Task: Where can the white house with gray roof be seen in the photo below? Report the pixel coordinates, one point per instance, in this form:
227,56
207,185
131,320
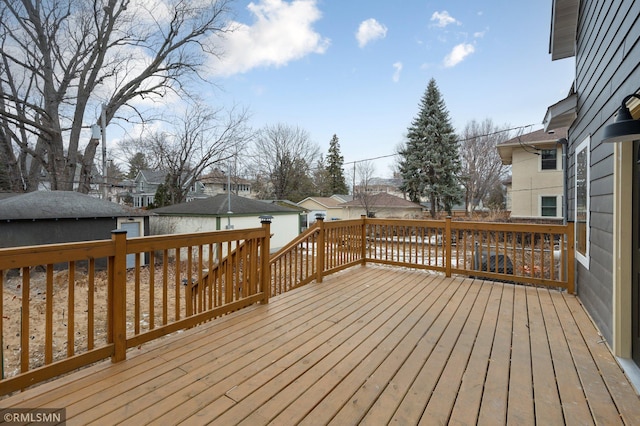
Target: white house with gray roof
217,214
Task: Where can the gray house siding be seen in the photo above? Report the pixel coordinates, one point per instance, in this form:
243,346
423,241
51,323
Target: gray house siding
53,231
606,71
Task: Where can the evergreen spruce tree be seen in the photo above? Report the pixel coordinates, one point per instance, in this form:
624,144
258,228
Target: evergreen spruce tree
335,163
429,162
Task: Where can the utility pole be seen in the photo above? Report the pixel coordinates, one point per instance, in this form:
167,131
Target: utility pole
103,128
229,212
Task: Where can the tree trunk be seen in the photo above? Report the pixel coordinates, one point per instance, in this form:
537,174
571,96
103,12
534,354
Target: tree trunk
434,201
84,185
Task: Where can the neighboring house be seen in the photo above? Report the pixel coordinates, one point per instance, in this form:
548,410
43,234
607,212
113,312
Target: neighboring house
214,214
145,186
376,185
381,205
603,178
302,212
217,182
536,190
49,217
343,198
329,207
147,182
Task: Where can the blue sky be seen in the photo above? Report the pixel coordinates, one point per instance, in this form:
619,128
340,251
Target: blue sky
358,68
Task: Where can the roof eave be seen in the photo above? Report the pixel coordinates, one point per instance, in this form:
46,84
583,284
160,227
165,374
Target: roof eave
562,113
564,27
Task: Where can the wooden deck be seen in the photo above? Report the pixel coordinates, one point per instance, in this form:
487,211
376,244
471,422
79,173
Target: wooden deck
369,345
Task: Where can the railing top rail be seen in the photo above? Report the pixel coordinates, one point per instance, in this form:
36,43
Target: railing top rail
509,226
27,256
429,223
168,241
341,223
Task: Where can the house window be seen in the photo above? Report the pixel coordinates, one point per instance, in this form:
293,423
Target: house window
549,159
582,185
549,206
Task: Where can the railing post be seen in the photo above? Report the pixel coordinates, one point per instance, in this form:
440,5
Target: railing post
118,285
363,249
321,249
265,255
447,247
571,258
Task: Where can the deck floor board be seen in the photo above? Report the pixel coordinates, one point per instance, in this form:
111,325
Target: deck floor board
368,345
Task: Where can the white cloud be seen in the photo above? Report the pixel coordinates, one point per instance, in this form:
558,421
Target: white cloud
458,54
282,32
398,69
370,30
442,19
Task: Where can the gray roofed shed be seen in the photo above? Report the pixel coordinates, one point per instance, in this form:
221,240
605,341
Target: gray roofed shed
51,217
60,205
212,214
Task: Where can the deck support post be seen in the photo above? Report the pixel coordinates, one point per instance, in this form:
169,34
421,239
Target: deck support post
363,239
321,249
265,255
447,247
118,298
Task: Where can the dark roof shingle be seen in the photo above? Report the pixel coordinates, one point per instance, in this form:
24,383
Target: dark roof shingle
60,205
218,206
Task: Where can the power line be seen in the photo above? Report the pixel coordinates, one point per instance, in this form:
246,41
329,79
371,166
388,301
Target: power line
459,140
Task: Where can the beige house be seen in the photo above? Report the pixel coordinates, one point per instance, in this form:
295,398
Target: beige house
329,207
536,190
382,205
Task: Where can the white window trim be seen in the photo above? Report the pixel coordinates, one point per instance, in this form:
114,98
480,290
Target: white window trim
583,259
558,198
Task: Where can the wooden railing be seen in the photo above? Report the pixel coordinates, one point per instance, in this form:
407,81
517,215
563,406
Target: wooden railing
519,253
65,306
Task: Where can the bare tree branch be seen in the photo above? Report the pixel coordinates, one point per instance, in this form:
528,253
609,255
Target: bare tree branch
482,168
62,59
282,156
199,139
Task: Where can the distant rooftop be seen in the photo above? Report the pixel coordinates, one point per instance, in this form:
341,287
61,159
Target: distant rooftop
218,206
60,205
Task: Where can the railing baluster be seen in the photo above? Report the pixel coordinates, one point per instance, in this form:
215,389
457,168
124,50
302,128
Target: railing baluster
136,292
200,291
71,308
177,272
152,288
24,324
48,334
91,270
165,287
188,288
